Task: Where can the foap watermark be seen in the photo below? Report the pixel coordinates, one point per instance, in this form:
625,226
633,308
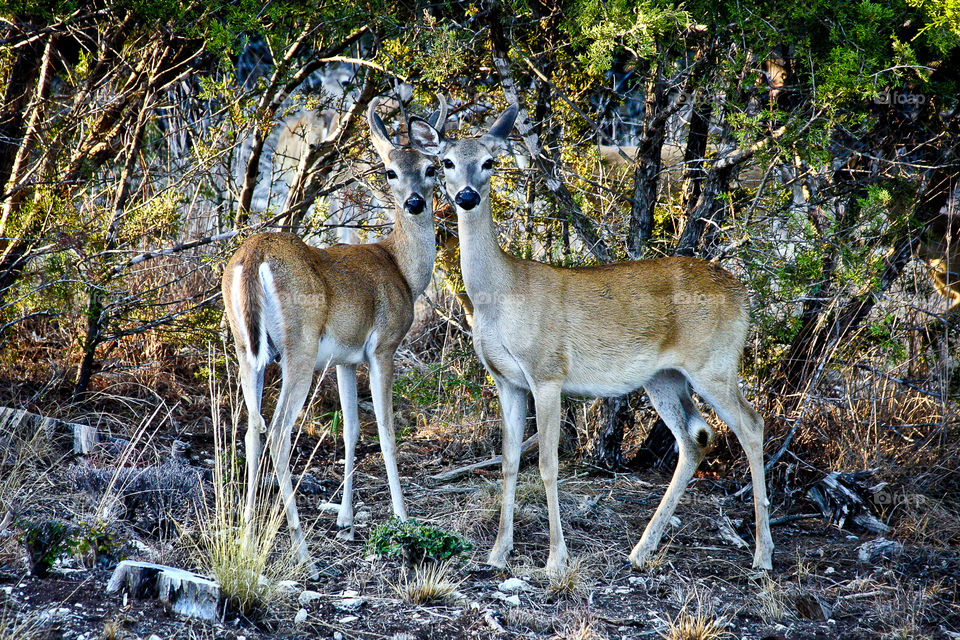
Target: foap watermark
899,97
701,98
702,299
896,498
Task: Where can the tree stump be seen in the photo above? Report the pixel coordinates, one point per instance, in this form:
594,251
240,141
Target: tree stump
847,498
84,437
184,592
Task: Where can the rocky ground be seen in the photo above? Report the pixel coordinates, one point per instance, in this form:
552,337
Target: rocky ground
826,583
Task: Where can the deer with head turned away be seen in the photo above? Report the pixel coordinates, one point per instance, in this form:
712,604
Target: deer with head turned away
343,305
669,325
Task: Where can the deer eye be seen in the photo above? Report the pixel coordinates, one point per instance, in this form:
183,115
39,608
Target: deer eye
447,164
430,172
487,164
391,174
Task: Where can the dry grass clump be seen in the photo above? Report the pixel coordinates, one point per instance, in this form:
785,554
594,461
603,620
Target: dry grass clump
529,620
15,626
431,583
904,614
926,521
25,450
582,629
696,620
568,582
771,600
237,553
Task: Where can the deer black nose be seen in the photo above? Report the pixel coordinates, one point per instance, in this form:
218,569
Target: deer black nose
467,199
415,204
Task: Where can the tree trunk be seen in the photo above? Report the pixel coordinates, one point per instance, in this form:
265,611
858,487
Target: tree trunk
15,149
694,158
709,206
646,177
658,450
607,450
22,75
95,304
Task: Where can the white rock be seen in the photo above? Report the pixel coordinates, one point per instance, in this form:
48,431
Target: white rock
874,550
329,507
513,585
828,571
337,635
289,587
363,516
306,597
350,593
348,619
301,617
154,636
348,604
675,522
513,601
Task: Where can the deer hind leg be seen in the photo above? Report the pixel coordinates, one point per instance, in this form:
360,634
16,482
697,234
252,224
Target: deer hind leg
513,401
347,386
670,395
297,376
381,386
547,400
725,397
251,384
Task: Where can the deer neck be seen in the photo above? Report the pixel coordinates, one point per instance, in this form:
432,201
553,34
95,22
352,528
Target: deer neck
485,266
414,249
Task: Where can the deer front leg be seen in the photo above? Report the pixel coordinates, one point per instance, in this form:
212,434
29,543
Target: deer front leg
513,401
547,399
381,387
347,386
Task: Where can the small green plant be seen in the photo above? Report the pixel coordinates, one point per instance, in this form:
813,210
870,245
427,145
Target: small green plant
46,542
414,541
99,544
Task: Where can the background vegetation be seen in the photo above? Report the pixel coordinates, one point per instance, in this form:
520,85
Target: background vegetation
808,146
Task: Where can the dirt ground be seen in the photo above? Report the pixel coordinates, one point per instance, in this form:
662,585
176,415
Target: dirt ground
825,584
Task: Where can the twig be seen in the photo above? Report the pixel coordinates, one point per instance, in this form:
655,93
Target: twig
791,518
528,445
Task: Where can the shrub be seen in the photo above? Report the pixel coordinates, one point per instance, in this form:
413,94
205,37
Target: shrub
414,541
46,541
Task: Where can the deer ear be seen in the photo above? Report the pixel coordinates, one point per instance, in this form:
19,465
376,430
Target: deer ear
496,137
426,138
378,132
439,117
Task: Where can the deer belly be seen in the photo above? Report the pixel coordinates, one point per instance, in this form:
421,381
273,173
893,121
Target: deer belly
331,352
609,376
